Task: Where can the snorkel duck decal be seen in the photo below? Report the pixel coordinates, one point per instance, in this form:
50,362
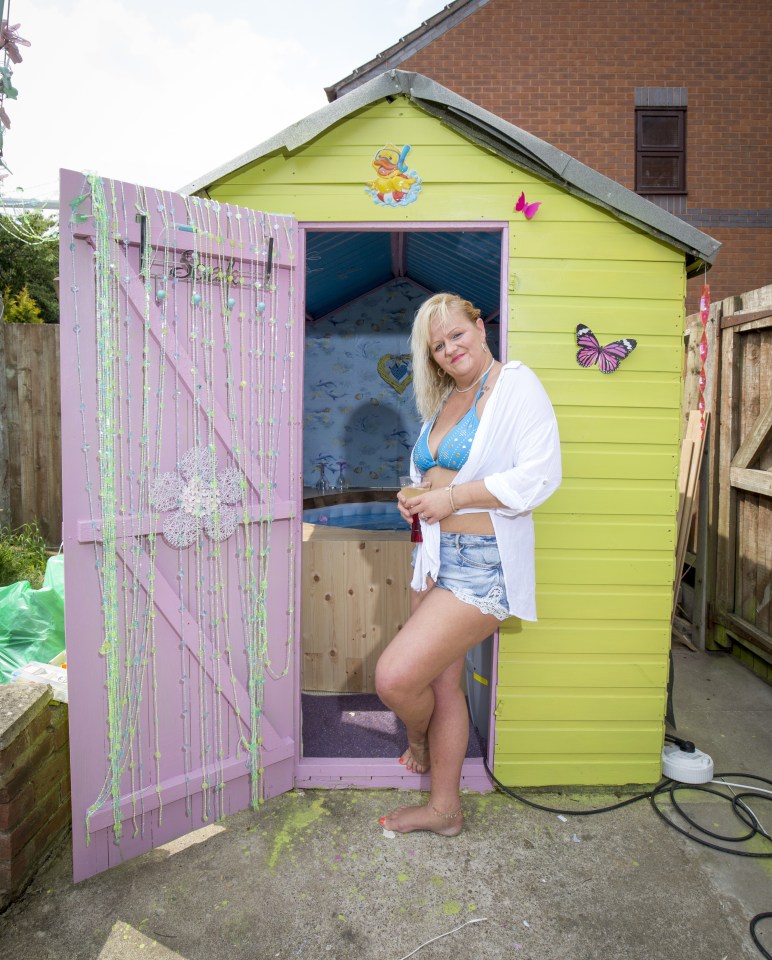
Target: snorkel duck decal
394,185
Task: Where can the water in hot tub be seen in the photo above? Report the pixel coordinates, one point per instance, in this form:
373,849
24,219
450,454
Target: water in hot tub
358,516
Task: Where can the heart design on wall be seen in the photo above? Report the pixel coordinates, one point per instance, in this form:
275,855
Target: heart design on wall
396,370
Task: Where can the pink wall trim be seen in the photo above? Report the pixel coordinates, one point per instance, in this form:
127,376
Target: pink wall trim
298,405
339,772
504,354
362,226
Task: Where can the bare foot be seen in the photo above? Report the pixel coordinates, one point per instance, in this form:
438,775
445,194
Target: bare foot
408,819
416,757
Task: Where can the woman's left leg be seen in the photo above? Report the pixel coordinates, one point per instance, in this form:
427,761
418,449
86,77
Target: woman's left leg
418,676
448,736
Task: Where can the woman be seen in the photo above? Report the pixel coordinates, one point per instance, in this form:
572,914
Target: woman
490,448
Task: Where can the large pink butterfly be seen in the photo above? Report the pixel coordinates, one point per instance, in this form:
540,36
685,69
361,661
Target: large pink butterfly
609,357
529,209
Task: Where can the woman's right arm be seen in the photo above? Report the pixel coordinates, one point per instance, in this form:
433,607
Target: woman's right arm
533,430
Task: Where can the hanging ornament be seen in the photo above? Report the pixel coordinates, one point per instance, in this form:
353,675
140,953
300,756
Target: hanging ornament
7,89
704,313
200,503
10,41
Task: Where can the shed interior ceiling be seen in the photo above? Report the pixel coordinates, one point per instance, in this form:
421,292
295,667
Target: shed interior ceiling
342,265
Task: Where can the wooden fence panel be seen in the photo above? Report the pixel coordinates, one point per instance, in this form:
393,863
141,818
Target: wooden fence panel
729,598
752,573
744,583
32,421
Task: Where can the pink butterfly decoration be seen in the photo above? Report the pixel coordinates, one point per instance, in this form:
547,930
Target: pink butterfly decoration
529,209
609,357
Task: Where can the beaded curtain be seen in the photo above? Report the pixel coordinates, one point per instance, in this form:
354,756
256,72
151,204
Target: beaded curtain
185,396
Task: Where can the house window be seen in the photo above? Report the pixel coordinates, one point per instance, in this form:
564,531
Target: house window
660,140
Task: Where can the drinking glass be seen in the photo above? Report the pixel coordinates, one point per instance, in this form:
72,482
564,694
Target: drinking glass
322,484
414,488
342,483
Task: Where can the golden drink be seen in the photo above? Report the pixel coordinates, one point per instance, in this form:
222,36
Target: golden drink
408,492
408,487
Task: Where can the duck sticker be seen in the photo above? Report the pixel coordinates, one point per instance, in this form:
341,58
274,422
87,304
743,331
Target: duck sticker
394,185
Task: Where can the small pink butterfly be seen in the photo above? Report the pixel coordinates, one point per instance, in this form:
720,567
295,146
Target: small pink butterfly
609,357
529,209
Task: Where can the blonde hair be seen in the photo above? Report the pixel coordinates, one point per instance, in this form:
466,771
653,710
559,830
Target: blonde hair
430,383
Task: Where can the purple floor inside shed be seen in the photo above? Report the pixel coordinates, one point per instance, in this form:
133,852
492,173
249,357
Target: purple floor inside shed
357,725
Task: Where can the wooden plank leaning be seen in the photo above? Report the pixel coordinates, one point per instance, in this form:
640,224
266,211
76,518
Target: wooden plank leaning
692,447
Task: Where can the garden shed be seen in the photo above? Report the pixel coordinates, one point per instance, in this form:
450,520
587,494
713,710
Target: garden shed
402,187
395,191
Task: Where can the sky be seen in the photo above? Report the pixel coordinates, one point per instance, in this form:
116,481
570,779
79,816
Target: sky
159,92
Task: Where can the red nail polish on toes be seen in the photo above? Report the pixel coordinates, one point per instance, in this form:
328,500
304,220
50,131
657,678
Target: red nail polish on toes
382,820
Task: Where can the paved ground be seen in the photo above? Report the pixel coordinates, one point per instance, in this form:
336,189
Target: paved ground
312,876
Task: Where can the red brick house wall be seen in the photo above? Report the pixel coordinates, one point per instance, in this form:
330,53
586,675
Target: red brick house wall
566,71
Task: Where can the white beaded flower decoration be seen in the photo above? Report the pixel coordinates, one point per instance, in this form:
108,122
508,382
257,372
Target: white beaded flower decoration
200,499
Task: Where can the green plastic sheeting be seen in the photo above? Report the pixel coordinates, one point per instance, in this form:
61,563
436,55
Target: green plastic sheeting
54,575
32,621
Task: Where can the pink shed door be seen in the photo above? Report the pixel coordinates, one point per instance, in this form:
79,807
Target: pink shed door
180,407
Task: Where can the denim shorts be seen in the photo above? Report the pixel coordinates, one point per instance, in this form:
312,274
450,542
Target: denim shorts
470,567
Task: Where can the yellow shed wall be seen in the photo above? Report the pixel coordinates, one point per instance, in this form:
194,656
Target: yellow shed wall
581,694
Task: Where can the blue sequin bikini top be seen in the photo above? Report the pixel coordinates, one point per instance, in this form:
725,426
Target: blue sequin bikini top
453,451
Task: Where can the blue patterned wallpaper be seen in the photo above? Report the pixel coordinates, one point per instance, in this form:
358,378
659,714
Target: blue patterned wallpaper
359,405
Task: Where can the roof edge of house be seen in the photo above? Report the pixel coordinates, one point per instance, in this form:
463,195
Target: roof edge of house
390,58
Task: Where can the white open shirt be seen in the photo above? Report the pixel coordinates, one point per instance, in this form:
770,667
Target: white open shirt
516,453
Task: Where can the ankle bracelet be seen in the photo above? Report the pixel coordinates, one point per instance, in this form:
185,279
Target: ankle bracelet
445,816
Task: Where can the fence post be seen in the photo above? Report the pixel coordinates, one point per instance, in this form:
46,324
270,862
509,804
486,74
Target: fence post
5,497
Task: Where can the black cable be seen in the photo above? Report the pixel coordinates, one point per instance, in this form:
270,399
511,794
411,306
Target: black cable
741,810
569,813
671,787
760,916
686,745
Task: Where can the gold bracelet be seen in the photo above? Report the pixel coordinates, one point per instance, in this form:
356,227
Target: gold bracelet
450,491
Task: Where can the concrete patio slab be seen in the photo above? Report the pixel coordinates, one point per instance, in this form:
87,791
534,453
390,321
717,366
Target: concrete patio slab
312,874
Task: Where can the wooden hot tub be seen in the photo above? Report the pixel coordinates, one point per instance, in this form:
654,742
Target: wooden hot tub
355,586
